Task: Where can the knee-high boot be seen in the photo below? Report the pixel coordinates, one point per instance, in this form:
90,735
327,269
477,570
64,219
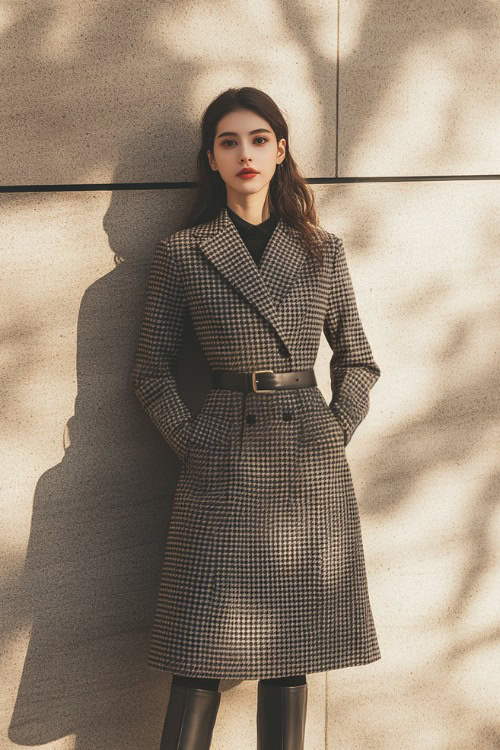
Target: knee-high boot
281,717
190,718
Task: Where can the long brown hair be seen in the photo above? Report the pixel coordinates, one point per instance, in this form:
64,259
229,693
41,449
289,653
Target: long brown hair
290,197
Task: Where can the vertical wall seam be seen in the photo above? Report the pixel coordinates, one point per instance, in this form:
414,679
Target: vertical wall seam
326,710
337,88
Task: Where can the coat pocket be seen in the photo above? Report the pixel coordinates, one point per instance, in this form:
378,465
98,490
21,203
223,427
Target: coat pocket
208,429
206,473
320,426
206,461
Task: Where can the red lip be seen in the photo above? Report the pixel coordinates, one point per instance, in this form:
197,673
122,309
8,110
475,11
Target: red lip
246,171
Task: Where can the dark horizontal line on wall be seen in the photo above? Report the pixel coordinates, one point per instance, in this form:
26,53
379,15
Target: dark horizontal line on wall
190,185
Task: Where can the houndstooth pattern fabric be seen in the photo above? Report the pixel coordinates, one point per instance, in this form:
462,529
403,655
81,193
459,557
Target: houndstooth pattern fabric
264,573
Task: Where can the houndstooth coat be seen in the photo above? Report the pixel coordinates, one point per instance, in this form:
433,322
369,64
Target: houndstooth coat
264,573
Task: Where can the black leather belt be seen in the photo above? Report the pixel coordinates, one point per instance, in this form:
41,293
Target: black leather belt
262,381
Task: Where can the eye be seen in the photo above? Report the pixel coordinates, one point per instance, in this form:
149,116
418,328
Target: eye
230,140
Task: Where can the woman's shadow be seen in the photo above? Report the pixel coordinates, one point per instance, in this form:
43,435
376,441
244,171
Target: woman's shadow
100,517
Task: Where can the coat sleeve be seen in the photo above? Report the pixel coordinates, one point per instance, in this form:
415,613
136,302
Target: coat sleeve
158,347
353,371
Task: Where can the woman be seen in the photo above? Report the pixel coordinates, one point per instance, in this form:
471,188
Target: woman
264,574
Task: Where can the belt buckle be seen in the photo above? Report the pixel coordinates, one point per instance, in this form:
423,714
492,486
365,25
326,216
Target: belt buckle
261,390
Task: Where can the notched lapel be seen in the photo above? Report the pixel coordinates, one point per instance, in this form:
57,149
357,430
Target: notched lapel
264,286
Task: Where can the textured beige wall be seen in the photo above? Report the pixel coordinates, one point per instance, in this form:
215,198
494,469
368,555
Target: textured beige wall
107,92
103,91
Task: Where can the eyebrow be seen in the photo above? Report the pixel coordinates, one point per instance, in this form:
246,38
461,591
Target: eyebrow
250,132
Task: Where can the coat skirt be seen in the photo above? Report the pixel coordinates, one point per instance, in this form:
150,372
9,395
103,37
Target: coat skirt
263,572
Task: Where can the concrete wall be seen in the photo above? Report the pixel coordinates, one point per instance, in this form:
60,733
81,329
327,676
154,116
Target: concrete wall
112,92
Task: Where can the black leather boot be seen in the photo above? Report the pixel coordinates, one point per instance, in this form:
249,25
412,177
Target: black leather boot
281,717
190,718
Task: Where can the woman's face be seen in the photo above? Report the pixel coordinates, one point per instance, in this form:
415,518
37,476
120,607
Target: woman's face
236,146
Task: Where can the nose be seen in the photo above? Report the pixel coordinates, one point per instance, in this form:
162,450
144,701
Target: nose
245,158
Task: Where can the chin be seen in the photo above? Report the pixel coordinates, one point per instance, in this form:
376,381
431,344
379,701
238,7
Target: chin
249,186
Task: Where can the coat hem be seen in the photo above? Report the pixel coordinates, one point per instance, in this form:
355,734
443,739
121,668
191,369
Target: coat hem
238,675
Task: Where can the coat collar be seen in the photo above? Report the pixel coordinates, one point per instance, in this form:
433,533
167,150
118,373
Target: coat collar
264,286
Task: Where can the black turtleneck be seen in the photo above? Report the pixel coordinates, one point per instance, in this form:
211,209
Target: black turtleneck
255,236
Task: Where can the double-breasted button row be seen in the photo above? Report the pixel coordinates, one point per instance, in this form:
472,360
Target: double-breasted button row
251,418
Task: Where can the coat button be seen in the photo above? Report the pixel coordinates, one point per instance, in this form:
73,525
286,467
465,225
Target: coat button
287,416
250,418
